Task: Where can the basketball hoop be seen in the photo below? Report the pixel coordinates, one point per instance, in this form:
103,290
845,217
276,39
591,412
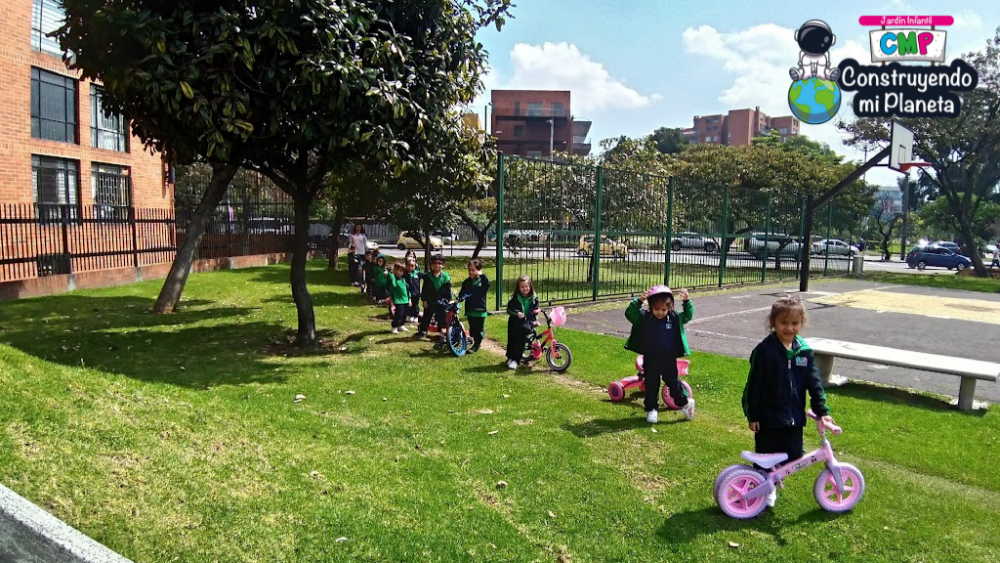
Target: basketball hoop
905,168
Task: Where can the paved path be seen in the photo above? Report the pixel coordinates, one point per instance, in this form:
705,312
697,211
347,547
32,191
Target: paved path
936,321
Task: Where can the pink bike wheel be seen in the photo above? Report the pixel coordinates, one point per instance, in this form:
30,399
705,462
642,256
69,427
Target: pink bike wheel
669,401
722,477
833,500
736,484
616,391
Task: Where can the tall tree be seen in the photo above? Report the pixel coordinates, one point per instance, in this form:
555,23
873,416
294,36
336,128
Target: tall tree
669,140
964,153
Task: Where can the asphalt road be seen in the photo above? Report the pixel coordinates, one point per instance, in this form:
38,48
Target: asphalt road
902,317
736,260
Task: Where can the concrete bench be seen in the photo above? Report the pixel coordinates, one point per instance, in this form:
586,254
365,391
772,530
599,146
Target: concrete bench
969,370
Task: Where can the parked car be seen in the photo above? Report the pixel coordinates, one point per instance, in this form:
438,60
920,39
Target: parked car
789,246
445,235
269,225
694,240
834,246
952,246
518,237
609,247
407,240
921,257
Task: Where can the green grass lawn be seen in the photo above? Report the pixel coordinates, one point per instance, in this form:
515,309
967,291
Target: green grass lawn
968,283
178,438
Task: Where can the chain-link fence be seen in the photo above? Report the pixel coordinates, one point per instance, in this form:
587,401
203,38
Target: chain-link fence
585,233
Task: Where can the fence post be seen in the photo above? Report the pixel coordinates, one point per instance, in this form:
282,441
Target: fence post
799,257
595,249
767,235
64,219
499,240
135,237
670,231
829,225
724,252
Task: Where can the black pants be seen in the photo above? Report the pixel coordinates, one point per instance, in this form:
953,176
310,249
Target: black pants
781,440
477,328
414,306
438,312
399,318
517,338
352,268
655,369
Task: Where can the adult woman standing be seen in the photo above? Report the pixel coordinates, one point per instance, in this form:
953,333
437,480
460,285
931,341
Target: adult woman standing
358,246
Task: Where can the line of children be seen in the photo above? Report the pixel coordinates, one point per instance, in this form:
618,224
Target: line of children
782,372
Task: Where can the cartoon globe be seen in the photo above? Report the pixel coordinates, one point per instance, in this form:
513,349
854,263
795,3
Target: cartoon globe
814,101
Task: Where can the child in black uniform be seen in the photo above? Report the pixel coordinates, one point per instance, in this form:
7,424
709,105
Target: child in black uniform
474,290
782,370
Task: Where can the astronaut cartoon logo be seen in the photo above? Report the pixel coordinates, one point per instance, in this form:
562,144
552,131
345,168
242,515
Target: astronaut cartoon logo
814,96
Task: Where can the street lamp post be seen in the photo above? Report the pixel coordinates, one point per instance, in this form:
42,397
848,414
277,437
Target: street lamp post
552,132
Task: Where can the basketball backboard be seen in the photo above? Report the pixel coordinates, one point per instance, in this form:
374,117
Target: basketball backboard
902,147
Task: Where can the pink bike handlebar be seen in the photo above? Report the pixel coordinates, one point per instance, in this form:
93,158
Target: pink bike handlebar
822,425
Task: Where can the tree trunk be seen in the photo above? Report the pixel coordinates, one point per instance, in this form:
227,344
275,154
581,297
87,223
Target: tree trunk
173,286
481,237
338,220
306,335
970,239
427,249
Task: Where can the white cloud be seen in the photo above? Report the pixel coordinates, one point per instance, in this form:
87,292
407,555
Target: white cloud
968,19
562,66
758,60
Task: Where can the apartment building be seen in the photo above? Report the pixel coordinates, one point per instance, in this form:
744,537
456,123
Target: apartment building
57,146
537,123
739,127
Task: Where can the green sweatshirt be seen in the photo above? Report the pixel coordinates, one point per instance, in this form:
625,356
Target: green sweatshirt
380,277
397,286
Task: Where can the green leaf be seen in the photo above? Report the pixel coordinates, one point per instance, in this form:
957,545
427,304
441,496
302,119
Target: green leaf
186,89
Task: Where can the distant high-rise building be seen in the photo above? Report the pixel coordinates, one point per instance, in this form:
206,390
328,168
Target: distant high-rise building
739,127
536,123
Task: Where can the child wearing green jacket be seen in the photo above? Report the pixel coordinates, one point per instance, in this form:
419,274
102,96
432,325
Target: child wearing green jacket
400,297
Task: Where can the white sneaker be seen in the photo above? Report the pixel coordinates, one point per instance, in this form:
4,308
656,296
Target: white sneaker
652,417
395,330
403,329
772,497
512,364
688,409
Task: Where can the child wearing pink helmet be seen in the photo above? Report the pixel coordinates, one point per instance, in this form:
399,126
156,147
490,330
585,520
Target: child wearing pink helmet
658,334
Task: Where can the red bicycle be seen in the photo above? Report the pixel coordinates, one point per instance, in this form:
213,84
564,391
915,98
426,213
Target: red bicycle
557,354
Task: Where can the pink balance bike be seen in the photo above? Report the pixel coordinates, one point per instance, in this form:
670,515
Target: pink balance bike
741,490
557,354
617,389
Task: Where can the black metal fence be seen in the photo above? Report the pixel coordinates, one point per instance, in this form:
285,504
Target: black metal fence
585,233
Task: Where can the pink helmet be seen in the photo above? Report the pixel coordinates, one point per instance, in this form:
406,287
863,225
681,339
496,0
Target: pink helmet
657,289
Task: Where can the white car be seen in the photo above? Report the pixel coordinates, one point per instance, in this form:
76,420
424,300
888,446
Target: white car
834,246
790,246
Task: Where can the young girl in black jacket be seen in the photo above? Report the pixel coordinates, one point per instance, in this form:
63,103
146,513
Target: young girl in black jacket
474,290
521,308
782,371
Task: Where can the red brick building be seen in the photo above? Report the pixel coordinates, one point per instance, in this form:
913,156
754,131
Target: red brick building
739,127
73,181
56,146
529,122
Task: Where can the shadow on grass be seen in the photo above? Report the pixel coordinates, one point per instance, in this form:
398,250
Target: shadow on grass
497,368
688,526
200,346
599,427
897,396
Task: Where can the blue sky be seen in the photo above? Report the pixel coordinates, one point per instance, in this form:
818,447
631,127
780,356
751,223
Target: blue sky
635,65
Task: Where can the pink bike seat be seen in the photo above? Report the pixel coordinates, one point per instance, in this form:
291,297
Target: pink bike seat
766,461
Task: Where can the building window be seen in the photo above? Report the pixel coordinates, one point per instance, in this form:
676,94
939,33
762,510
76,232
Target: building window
519,130
112,191
46,17
106,131
517,108
783,130
53,106
557,110
534,154
535,108
56,188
